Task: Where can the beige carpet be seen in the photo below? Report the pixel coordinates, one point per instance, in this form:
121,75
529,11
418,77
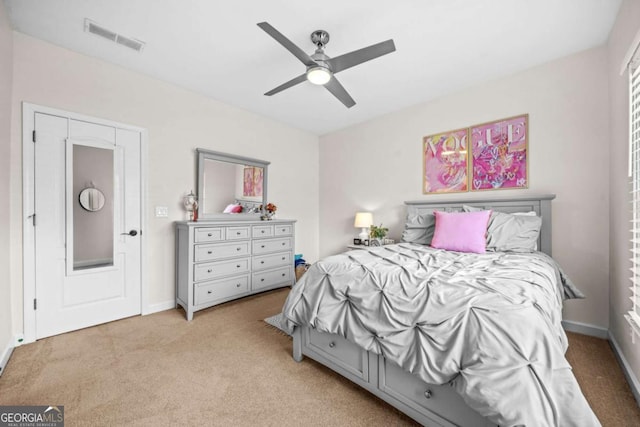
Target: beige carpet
228,368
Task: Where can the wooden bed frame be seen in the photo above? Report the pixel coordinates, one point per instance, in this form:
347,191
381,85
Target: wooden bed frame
428,404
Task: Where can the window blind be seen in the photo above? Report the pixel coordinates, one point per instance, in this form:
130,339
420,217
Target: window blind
633,316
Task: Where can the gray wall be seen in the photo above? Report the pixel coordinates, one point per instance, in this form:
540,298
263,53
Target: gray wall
625,29
6,70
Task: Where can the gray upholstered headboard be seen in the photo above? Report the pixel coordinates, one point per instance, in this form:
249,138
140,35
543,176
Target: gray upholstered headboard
541,204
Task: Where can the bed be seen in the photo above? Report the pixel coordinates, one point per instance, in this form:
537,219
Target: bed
448,338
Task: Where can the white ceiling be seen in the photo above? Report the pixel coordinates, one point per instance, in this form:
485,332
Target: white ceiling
215,48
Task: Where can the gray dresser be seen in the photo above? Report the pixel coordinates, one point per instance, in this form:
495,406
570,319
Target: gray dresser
218,261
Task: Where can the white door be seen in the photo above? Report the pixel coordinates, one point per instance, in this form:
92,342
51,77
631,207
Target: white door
87,220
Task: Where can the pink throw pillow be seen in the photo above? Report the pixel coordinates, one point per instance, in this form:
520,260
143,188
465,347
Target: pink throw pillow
461,231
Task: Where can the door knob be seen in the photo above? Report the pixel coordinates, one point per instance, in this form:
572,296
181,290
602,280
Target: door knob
131,233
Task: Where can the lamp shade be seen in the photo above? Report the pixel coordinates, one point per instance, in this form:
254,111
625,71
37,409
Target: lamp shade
363,220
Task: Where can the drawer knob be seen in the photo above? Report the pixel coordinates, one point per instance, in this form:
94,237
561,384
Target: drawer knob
283,243
209,292
283,258
262,231
210,235
428,394
238,266
261,262
209,252
238,285
209,270
332,344
237,233
262,246
283,230
237,249
262,280
284,274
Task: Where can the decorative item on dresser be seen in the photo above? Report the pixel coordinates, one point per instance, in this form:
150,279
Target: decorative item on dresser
219,261
190,202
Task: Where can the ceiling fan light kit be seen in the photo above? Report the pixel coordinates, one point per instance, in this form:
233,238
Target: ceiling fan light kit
318,75
321,69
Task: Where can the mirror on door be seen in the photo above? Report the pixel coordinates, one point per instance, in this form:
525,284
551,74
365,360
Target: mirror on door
92,214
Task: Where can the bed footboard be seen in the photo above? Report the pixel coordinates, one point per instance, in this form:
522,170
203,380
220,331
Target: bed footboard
428,404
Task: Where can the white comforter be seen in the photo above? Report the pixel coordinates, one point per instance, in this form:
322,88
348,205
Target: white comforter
489,324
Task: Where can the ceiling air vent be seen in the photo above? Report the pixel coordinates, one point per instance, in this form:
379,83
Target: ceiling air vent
92,27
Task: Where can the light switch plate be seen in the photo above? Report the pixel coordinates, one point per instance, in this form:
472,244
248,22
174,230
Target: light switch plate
162,211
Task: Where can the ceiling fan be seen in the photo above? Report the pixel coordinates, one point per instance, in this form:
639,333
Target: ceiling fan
321,69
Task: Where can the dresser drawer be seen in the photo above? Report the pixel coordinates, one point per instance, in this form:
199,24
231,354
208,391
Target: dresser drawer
212,270
213,234
220,289
271,278
283,230
404,386
262,231
264,262
340,351
220,250
271,245
237,233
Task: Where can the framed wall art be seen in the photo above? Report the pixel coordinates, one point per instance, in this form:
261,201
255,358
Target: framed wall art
445,162
499,154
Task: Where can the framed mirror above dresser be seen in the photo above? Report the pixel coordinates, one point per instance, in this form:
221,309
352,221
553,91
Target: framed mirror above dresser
228,255
231,187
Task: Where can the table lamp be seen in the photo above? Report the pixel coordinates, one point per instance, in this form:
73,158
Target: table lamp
364,221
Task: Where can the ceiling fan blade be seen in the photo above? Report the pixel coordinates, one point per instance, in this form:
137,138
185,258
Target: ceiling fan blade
348,60
288,44
287,85
339,92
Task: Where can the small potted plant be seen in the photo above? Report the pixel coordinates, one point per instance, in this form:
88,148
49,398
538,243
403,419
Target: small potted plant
378,233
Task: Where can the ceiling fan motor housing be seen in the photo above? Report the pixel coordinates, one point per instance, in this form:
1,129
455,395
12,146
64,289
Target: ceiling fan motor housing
320,58
320,38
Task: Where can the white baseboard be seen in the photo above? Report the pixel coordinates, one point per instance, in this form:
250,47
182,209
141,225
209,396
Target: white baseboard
626,369
6,354
585,329
161,306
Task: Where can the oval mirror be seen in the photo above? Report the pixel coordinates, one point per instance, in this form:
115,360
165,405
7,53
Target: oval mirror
91,199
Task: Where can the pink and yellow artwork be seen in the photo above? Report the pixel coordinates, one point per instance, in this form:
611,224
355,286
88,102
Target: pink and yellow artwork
252,184
247,189
445,162
499,154
257,182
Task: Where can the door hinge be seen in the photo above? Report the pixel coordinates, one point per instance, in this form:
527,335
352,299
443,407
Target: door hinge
33,219
35,304
33,136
